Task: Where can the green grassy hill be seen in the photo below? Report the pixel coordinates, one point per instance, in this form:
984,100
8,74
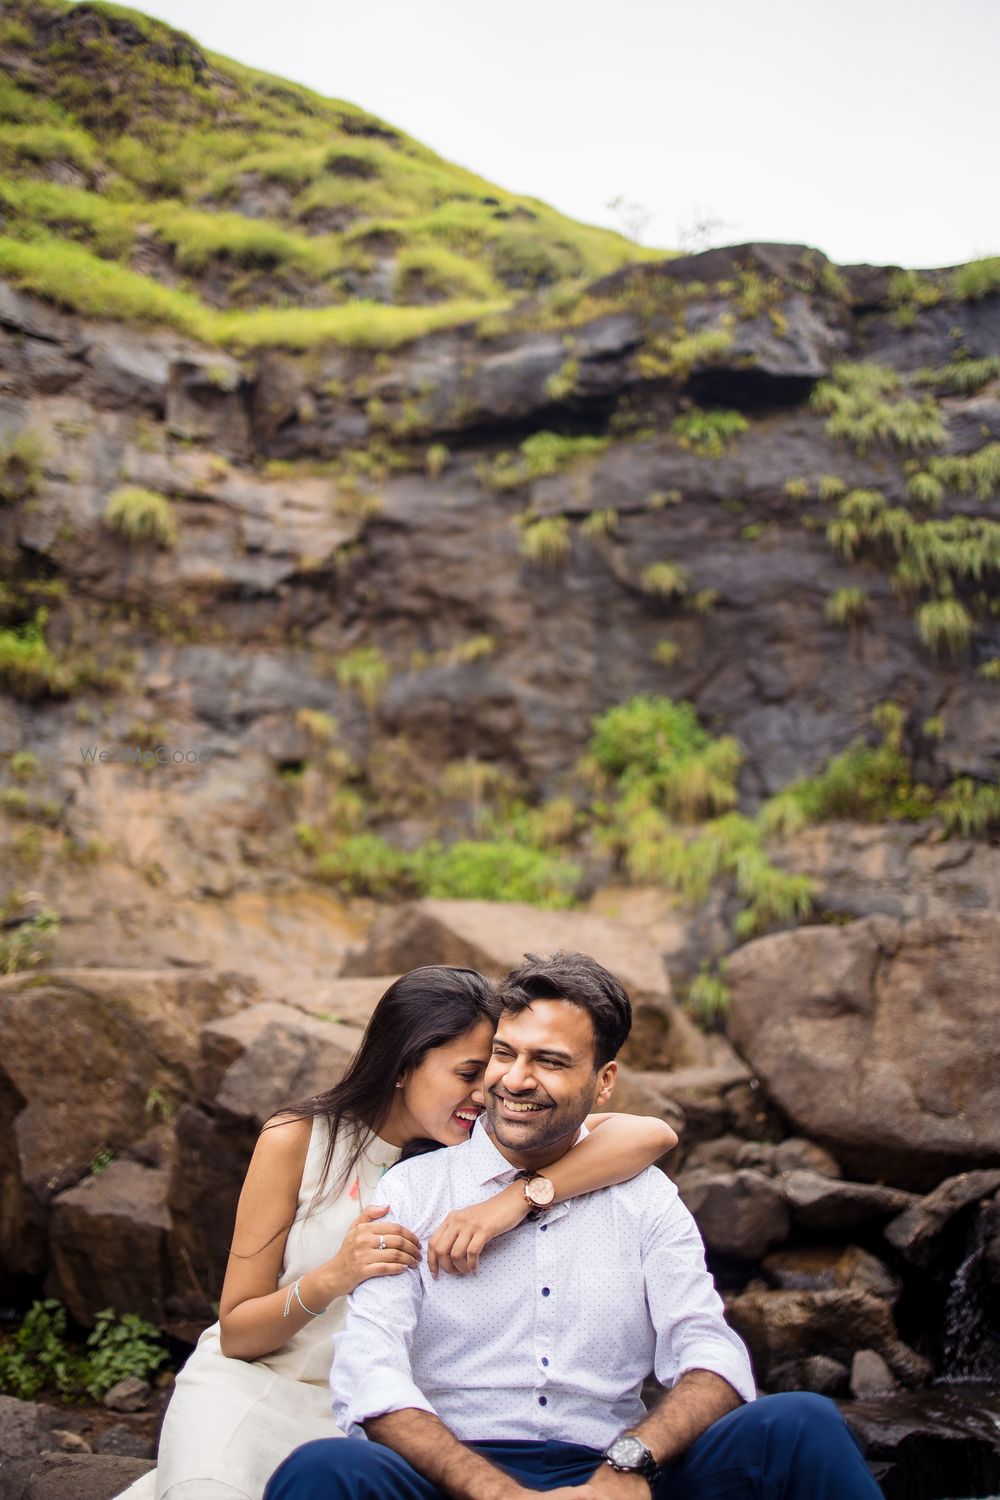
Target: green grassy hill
143,178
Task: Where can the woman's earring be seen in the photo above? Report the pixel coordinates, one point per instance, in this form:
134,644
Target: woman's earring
399,1083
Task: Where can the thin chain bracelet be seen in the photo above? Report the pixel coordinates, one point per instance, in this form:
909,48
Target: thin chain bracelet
293,1291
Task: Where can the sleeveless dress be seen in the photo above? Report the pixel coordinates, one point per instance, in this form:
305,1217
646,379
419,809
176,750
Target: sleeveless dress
231,1422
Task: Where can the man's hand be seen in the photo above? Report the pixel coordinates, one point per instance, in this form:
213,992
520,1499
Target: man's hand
459,1240
605,1483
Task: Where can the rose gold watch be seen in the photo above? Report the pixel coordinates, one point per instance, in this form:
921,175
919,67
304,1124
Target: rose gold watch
539,1192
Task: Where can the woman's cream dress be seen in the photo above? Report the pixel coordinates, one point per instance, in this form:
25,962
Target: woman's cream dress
231,1421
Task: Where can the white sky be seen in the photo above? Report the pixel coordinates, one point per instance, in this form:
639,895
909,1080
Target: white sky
868,128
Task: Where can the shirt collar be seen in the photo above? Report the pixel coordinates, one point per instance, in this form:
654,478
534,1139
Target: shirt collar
486,1162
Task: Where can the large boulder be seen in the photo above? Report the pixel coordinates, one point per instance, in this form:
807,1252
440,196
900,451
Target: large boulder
494,936
26,1429
125,1043
879,1040
827,1203
107,1238
939,1442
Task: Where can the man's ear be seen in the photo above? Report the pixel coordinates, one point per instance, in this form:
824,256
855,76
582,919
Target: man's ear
607,1078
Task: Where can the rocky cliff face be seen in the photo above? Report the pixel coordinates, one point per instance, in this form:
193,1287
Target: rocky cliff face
386,511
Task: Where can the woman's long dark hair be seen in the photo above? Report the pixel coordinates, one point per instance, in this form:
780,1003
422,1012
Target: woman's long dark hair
426,1008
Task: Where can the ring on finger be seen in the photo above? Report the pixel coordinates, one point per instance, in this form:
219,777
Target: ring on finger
381,1241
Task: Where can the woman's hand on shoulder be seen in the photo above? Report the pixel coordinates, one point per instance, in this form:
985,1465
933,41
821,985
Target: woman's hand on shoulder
359,1257
459,1240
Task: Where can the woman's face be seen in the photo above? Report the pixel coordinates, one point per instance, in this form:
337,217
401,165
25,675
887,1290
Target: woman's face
442,1097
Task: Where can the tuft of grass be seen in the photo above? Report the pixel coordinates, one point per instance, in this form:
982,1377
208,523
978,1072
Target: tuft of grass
964,376
600,524
846,607
945,625
545,542
666,580
541,455
977,279
27,943
797,489
831,487
141,515
708,433
990,670
660,499
365,669
854,400
979,471
666,653
970,808
708,996
21,459
656,747
925,488
28,668
435,460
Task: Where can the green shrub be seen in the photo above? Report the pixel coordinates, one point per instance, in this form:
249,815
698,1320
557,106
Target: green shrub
41,144
657,747
708,432
854,402
708,995
28,668
990,669
979,471
367,865
141,516
120,1347
545,542
24,765
667,580
37,1358
497,871
944,625
20,467
864,782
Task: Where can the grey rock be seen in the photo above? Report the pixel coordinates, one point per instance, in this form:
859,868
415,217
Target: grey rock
739,1214
26,1432
828,1203
64,1476
130,1394
123,1442
870,1375
817,1372
916,1232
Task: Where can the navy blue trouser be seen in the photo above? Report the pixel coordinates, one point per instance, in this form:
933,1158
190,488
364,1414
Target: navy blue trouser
791,1447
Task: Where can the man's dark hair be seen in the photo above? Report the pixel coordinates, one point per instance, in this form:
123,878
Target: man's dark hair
582,981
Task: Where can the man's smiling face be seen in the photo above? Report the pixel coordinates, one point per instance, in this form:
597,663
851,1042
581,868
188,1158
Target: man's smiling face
541,1081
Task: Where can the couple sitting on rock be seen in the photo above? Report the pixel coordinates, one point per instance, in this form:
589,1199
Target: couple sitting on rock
575,1272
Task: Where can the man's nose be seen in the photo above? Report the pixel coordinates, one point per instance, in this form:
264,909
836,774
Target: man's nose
518,1077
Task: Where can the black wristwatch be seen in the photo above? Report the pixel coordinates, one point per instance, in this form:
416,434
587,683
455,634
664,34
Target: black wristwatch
629,1455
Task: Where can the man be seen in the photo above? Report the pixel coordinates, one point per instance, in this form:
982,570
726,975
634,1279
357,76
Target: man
526,1376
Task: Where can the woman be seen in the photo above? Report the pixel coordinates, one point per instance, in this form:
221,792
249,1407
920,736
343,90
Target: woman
256,1385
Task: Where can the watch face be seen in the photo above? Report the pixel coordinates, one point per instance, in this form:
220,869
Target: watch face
540,1190
627,1450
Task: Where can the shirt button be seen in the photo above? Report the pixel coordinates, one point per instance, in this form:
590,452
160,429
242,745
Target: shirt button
543,1401
545,1291
544,1227
544,1359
